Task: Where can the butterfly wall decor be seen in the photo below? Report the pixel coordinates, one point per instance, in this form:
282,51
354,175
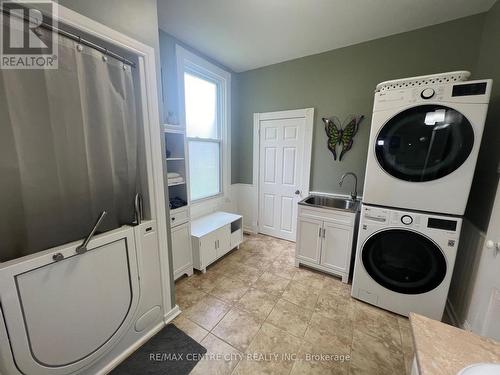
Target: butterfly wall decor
338,134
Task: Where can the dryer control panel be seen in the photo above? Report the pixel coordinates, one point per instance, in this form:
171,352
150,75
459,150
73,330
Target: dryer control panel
447,92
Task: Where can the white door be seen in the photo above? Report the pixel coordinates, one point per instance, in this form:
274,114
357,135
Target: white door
486,294
284,164
223,240
208,248
309,240
182,256
336,249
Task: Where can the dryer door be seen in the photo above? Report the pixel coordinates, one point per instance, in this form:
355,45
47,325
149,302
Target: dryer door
424,143
404,261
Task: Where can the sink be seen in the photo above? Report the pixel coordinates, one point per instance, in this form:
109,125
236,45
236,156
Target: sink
334,203
481,369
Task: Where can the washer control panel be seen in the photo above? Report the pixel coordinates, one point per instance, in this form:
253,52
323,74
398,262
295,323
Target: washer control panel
427,93
379,215
375,214
406,219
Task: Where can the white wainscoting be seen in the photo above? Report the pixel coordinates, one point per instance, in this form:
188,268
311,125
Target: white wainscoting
240,199
223,203
244,198
465,276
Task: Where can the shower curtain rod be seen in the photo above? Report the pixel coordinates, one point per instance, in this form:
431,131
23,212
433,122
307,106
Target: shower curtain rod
79,39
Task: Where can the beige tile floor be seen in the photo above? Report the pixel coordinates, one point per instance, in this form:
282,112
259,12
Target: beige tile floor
256,313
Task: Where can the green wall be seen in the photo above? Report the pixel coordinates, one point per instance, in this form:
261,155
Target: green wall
342,82
169,72
485,181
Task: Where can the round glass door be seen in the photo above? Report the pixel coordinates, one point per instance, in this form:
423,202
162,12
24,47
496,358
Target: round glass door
424,143
404,261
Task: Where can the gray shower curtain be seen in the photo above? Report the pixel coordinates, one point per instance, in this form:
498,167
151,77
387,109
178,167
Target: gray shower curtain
68,150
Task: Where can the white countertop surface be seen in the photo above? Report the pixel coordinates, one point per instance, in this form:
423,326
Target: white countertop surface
209,223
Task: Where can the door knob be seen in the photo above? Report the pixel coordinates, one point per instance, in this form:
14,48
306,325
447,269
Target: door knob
297,192
493,245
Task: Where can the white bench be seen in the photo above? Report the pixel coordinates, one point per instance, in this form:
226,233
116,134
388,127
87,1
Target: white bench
214,235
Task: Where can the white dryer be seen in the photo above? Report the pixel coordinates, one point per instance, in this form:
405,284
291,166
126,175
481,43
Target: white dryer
405,259
424,141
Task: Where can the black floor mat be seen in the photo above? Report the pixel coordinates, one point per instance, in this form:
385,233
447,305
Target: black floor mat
169,352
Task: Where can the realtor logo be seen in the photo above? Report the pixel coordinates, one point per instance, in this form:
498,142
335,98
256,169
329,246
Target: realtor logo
27,41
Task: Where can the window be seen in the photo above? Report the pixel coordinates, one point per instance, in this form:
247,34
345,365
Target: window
205,105
202,131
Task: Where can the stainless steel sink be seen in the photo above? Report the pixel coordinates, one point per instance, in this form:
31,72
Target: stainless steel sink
334,203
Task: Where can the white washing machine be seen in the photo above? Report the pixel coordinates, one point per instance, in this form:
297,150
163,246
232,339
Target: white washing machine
424,140
405,259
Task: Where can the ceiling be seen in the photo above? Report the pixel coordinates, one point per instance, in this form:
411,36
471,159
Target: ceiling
247,34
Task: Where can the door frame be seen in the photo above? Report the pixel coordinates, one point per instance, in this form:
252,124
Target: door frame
308,115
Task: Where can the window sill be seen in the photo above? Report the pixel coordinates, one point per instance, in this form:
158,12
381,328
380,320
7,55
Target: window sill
207,199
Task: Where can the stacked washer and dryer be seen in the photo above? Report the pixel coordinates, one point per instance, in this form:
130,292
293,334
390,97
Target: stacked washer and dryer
424,141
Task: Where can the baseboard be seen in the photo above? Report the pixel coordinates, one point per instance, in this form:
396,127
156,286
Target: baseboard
172,314
249,229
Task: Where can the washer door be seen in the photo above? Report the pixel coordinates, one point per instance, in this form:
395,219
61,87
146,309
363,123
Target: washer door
404,261
424,143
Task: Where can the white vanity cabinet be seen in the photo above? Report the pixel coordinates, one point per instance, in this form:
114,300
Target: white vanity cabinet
213,236
325,240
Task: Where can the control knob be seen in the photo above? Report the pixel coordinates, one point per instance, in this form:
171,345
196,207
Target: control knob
427,93
406,219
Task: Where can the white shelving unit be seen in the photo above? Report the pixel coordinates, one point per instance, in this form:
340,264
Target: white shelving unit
176,157
177,183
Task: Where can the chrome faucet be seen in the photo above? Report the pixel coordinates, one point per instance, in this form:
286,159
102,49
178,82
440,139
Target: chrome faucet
354,194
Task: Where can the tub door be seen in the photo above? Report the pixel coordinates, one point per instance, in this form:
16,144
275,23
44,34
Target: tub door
65,314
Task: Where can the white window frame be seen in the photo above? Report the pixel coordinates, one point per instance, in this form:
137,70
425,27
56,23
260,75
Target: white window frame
196,65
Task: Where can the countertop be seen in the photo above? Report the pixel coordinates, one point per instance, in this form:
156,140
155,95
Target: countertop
442,349
206,224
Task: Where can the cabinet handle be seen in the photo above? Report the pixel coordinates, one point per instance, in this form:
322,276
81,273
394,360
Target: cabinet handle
319,234
324,232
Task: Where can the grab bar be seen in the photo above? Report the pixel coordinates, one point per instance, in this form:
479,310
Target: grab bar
138,208
83,247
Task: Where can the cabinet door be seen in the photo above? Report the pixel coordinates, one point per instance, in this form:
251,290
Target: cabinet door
208,252
223,240
309,240
181,247
336,248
